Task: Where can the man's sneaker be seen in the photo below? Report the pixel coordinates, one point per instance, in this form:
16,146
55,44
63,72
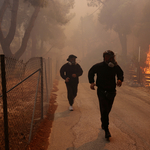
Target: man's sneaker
70,108
107,133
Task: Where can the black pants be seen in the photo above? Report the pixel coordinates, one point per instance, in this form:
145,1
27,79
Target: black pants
72,89
106,100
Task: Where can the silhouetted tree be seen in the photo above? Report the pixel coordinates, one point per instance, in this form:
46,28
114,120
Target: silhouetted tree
118,16
94,3
50,31
27,24
142,27
6,41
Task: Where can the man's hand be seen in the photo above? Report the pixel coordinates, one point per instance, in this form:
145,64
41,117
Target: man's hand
74,75
92,86
119,83
67,79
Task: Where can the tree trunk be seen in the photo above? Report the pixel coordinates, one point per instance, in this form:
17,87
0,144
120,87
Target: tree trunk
13,25
33,44
25,39
123,41
5,42
6,50
2,11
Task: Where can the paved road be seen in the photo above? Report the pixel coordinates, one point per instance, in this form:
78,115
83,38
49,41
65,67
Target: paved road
80,129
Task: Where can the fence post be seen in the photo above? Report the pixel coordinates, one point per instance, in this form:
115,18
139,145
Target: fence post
41,88
57,68
4,96
34,108
51,74
48,76
56,65
138,68
46,82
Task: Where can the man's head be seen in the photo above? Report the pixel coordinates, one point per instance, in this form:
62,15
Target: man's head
72,59
109,58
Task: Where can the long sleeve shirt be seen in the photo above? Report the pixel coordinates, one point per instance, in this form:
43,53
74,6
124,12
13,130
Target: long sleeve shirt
106,76
67,70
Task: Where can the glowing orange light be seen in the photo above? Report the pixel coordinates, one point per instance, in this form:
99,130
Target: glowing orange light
147,69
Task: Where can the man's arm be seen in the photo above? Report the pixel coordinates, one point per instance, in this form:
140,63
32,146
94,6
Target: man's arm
91,75
62,72
120,76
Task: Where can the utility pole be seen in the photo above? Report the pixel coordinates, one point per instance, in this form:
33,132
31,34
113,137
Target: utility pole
138,69
82,37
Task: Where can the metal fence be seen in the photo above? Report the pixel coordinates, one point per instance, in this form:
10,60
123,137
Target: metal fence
24,99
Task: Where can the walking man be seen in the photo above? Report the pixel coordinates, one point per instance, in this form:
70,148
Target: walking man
106,72
70,72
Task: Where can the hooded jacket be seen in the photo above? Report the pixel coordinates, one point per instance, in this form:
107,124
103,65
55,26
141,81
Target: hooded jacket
68,69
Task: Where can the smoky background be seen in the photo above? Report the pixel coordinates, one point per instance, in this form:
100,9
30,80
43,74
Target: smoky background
121,26
39,35
84,28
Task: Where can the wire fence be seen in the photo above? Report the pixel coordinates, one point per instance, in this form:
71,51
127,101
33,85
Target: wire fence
24,101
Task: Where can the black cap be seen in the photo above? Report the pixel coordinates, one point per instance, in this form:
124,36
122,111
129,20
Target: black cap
109,52
71,56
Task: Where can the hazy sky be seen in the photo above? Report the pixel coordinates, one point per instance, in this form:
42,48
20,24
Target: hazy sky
80,9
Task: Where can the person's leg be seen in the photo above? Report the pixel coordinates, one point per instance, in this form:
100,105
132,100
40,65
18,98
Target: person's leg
103,108
75,89
105,102
70,95
110,99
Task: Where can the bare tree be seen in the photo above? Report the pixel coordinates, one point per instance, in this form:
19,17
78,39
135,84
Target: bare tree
53,17
6,40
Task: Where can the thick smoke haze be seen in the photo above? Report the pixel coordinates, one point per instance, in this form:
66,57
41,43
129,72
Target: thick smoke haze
121,26
63,27
36,38
80,9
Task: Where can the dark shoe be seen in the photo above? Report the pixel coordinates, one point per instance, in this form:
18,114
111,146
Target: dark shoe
107,133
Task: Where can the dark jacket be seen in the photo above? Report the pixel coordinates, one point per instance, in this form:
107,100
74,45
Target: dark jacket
67,70
106,76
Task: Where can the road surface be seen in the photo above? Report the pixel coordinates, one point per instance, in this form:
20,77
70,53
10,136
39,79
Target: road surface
81,129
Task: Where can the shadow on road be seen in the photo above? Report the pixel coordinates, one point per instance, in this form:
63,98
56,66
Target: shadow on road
62,114
98,144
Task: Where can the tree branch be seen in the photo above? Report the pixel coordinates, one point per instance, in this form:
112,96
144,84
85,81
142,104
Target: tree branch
12,29
27,33
49,50
2,11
